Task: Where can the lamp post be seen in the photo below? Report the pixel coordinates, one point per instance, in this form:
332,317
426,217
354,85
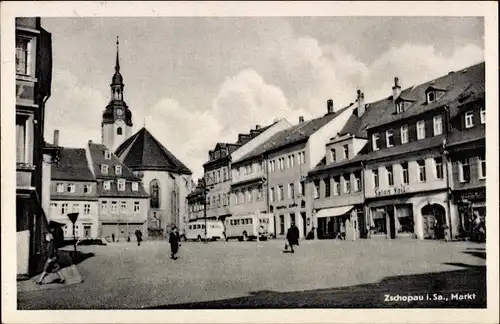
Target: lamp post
73,217
205,191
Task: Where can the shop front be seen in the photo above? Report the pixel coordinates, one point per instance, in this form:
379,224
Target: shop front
471,206
338,222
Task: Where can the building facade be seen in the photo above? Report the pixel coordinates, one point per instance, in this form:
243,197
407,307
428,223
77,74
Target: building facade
33,84
196,202
123,202
73,189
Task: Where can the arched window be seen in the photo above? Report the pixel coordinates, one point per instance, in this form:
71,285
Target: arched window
154,191
119,131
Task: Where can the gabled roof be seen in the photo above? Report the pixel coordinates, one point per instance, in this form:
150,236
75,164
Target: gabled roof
357,125
468,79
98,158
294,134
144,152
72,166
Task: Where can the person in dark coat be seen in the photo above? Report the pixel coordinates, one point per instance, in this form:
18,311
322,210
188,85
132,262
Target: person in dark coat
292,236
138,235
174,241
52,262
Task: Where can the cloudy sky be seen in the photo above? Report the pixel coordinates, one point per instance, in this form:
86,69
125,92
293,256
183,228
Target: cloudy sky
198,81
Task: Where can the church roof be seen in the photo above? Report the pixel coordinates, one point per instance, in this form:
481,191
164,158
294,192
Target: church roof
144,152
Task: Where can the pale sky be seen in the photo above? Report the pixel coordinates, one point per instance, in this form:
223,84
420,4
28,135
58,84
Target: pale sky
198,81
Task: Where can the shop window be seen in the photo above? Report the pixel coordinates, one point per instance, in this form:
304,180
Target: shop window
404,217
378,224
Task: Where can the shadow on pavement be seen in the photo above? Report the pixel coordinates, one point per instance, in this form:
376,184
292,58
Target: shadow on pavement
438,290
66,259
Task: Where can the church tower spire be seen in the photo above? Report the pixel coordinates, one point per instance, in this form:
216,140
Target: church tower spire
116,125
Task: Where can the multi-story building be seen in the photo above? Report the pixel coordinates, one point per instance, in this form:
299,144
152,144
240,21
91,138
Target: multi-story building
33,84
407,182
289,155
123,202
74,190
196,202
466,152
218,174
337,181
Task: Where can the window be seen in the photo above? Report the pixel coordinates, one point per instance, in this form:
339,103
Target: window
431,97
64,209
421,171
420,130
224,174
346,151
404,169
135,186
53,208
118,170
302,188
464,170
271,195
376,142
389,137
438,125
281,195
70,188
482,166
333,154
439,167
107,185
291,190
60,187
327,187
86,209
104,206
291,159
137,206
404,134
154,191
483,115
469,119
107,155
22,124
347,183
114,205
87,188
76,208
400,107
123,206
316,189
282,224
302,158
376,181
336,186
104,168
390,175
121,184
357,181
282,164
259,193
119,131
23,48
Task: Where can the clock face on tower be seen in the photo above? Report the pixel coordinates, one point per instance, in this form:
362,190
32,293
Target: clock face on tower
119,112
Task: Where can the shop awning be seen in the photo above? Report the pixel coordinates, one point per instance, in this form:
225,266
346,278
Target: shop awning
335,211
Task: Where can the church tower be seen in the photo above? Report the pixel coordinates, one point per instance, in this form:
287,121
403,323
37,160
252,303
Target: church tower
116,125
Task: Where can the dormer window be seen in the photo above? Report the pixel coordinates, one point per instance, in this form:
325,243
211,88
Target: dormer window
333,155
431,97
107,185
118,170
346,151
104,168
121,184
400,107
135,186
107,155
376,142
469,119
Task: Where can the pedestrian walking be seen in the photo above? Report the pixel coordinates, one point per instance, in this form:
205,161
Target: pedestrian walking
52,262
292,237
138,235
174,240
113,237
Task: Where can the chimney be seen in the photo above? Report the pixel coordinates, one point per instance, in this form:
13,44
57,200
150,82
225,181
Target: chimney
396,90
301,119
56,137
257,127
329,106
275,120
361,103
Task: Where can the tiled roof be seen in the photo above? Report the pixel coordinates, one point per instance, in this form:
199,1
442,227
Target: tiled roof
72,166
357,125
114,192
98,158
455,83
293,134
144,152
457,137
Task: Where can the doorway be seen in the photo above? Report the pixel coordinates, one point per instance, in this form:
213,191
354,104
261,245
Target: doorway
304,223
86,231
433,217
392,222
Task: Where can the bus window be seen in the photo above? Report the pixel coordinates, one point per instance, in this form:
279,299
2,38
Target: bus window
198,226
249,221
231,222
202,226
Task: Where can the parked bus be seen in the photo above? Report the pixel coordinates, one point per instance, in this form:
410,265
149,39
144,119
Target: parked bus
250,227
196,230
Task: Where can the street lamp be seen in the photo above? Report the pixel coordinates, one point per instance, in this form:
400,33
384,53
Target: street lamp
73,217
205,191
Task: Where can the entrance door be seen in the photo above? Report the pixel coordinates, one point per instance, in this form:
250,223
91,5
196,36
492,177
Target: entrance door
86,231
433,217
392,222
